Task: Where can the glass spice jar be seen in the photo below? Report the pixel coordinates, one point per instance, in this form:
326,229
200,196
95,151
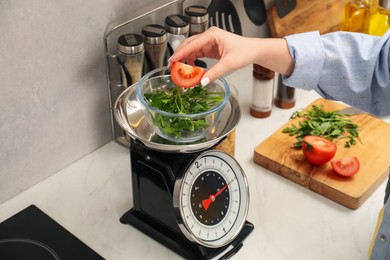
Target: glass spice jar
130,58
155,41
199,19
199,22
178,28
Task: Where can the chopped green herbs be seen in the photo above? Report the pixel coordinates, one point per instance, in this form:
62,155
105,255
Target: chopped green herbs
183,101
328,124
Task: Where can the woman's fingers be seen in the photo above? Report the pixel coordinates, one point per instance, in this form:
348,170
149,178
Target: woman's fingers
218,44
196,46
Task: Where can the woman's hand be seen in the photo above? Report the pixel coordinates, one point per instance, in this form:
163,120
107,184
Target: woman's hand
233,52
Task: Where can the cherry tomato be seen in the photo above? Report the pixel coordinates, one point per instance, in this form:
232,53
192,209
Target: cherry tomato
186,76
346,166
318,150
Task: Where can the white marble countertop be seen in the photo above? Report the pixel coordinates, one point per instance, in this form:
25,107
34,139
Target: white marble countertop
291,222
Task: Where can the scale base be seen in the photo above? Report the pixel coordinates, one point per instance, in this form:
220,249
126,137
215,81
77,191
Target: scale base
180,244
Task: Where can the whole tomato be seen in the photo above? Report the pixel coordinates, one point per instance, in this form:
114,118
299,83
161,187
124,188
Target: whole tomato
318,150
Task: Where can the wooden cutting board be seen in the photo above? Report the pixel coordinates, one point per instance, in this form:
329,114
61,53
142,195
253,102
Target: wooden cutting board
308,15
277,154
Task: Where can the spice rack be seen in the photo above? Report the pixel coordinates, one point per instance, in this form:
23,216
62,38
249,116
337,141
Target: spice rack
133,25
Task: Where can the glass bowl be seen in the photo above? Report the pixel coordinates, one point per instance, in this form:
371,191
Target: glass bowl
180,126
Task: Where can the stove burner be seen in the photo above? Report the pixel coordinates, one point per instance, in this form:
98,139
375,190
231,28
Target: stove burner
31,234
18,248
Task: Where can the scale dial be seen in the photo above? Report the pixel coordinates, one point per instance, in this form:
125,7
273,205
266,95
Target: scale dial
211,199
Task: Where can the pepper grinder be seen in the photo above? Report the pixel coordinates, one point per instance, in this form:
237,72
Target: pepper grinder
155,38
130,58
285,95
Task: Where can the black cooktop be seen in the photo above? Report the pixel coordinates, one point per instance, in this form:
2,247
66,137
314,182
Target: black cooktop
31,234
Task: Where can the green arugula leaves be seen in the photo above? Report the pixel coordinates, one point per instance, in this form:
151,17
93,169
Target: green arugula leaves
328,124
183,101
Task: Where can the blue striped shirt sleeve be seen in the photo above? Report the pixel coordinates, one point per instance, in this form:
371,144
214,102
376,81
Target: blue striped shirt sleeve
343,66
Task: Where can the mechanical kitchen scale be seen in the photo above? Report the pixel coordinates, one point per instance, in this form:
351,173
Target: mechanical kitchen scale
190,197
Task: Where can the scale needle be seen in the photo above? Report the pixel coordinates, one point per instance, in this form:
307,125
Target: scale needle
206,202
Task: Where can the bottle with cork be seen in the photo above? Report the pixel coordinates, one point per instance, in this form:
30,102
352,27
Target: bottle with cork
355,16
262,91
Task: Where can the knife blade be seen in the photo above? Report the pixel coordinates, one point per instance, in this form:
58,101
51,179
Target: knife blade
352,111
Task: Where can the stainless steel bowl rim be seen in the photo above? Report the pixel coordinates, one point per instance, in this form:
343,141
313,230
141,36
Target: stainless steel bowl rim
122,116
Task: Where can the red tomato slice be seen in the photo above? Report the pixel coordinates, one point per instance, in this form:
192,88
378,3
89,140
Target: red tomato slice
318,150
186,76
346,166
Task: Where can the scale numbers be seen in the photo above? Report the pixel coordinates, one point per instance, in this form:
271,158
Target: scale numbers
213,199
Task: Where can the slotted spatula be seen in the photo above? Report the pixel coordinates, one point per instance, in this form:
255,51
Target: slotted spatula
224,15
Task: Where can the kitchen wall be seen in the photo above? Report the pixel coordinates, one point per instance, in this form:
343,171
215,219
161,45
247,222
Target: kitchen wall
54,102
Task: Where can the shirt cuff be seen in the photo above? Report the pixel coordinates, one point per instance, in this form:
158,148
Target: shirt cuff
307,51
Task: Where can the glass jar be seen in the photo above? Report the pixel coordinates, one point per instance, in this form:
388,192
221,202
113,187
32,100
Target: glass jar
155,41
199,22
198,18
178,28
131,51
355,16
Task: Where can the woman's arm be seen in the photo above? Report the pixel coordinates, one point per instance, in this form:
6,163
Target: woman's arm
344,66
234,52
349,67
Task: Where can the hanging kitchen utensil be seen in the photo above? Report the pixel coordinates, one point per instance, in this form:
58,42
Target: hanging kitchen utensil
256,11
284,7
224,15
